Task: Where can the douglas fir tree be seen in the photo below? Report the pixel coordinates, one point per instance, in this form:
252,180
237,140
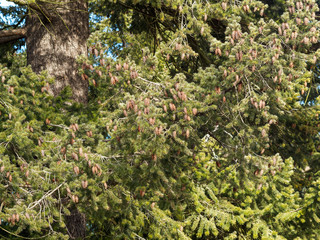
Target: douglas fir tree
201,123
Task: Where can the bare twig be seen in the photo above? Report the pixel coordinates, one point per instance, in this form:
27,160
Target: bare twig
49,193
145,80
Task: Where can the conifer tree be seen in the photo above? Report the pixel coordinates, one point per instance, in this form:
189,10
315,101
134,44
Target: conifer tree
198,126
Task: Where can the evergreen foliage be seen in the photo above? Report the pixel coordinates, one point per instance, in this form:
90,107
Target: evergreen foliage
202,123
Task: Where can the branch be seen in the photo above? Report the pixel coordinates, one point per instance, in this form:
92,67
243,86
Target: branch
25,3
49,193
20,2
11,35
33,5
155,83
15,25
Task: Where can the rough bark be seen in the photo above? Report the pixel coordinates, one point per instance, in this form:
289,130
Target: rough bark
56,36
76,223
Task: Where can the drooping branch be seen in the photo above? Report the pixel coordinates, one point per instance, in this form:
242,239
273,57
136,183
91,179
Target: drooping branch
11,35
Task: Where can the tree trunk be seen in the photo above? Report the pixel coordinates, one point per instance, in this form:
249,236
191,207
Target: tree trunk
76,224
56,36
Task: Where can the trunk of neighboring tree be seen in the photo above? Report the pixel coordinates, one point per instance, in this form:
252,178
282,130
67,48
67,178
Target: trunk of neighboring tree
56,35
76,224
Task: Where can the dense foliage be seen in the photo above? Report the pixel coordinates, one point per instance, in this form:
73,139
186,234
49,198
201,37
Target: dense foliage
202,123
